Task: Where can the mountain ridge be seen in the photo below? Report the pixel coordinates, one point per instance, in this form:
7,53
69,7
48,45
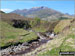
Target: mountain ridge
41,12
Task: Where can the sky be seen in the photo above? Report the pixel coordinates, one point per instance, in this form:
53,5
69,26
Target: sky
61,6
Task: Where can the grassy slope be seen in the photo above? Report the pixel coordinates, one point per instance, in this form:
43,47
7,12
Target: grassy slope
12,35
68,45
61,25
64,41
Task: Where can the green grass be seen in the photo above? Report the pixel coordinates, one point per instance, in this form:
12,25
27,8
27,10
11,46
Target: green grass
55,51
10,35
29,37
40,29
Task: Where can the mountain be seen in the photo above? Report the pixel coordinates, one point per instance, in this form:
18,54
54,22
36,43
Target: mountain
42,12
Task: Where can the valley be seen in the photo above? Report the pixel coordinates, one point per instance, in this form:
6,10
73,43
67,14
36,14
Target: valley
36,36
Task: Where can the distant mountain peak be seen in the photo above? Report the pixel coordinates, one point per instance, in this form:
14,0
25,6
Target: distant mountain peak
42,7
24,9
34,7
17,10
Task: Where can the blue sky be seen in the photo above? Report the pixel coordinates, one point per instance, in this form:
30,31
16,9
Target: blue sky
62,6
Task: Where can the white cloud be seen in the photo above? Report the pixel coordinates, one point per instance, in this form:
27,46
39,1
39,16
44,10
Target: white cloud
6,10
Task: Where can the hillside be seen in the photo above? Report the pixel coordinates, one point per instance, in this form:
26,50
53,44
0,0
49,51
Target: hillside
10,35
12,16
64,41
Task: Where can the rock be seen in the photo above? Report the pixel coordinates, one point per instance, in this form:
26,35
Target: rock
48,33
25,44
52,35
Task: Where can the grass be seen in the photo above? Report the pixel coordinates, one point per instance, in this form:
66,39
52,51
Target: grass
65,46
68,43
10,35
61,25
40,29
29,37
